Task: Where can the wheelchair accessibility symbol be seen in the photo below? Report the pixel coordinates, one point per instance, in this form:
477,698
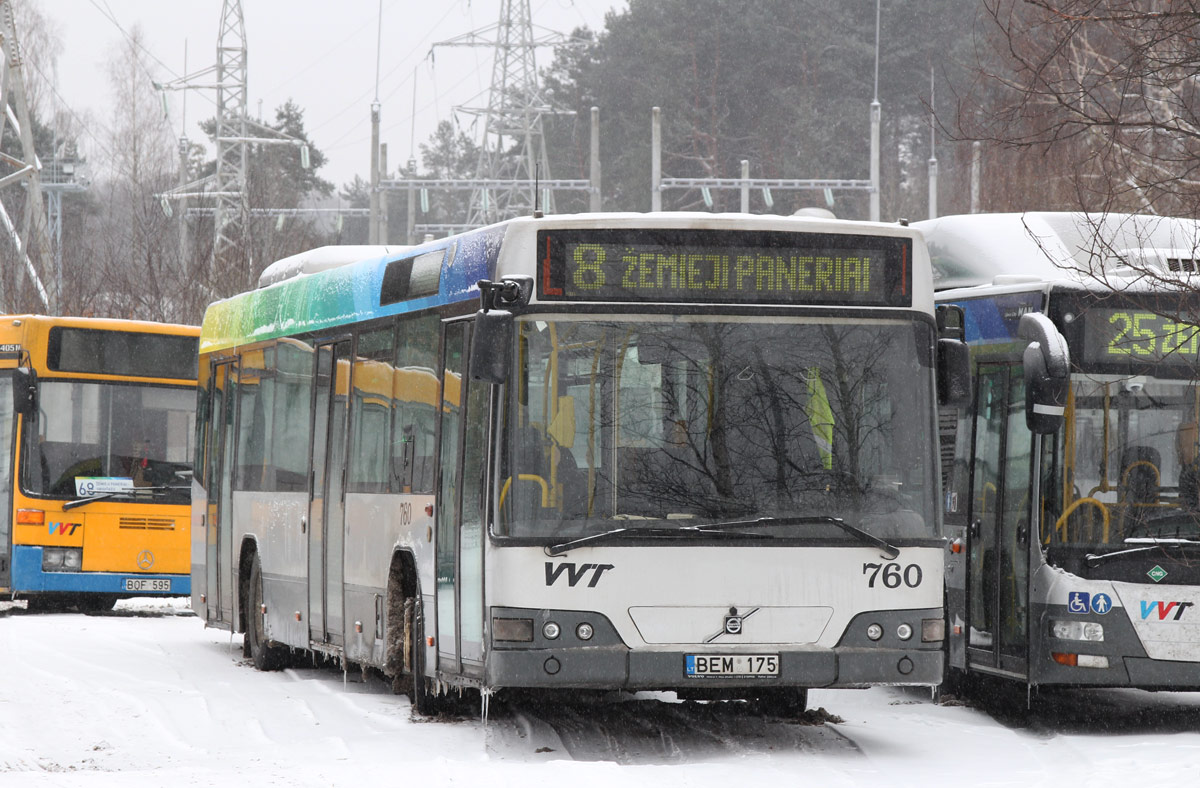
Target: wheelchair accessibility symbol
1083,602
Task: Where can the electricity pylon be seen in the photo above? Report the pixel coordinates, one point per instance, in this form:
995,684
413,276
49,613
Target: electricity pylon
235,133
19,166
513,153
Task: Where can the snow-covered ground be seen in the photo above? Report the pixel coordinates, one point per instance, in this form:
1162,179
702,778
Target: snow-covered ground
147,697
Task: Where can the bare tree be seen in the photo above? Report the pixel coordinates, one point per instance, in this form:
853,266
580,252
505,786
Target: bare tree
1090,104
136,258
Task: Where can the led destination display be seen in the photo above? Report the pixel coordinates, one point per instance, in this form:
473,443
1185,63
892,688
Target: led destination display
1133,335
713,267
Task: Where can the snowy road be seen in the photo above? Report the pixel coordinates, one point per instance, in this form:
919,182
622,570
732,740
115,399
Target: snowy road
147,697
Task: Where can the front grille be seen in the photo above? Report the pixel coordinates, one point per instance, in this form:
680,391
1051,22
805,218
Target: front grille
148,523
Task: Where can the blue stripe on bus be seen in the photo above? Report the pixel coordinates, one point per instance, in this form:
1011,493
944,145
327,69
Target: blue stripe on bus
27,576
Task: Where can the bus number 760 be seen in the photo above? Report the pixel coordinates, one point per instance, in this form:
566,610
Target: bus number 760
892,576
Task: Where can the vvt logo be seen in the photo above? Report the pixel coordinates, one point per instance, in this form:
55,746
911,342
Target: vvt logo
1164,609
61,529
575,573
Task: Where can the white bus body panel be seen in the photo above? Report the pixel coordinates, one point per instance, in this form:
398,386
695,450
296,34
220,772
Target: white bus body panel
670,595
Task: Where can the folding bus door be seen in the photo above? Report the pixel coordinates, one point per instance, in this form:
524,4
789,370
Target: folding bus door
221,441
460,510
326,512
8,424
999,532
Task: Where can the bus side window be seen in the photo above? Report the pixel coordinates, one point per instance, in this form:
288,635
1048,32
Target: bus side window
416,394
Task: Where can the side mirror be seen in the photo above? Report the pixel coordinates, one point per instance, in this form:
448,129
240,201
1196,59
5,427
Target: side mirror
1047,373
492,338
24,382
491,345
953,373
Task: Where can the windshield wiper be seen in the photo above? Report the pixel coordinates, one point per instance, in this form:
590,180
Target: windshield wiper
1095,559
131,492
687,530
889,551
730,530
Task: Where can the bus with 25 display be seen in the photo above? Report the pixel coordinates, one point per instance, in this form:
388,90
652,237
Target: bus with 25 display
97,423
1074,497
682,452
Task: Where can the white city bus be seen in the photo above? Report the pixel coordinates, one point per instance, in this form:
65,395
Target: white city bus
685,452
1073,501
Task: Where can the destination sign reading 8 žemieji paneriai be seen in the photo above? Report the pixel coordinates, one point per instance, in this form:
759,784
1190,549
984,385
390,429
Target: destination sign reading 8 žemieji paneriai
773,268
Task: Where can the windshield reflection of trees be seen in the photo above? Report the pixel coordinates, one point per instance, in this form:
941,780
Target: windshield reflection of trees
717,421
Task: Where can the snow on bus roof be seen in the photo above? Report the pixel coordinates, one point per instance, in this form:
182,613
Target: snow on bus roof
974,249
322,258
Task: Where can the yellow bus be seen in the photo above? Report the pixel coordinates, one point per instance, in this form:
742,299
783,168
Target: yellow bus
97,429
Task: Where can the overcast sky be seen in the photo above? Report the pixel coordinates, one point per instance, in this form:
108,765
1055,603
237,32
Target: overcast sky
319,53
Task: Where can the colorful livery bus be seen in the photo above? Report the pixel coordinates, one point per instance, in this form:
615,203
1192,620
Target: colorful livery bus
97,423
1073,500
686,452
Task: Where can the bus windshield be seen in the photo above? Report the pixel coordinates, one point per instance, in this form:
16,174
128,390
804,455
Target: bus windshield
108,439
1129,471
683,422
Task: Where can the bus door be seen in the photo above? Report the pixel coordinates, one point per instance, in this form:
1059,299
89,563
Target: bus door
999,532
460,512
221,440
326,500
8,424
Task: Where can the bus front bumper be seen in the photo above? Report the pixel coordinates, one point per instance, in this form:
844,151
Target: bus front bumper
604,661
28,577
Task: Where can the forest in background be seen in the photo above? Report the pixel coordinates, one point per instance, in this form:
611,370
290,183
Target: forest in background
1079,104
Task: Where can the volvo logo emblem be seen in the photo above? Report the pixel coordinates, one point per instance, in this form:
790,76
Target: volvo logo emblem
733,625
145,560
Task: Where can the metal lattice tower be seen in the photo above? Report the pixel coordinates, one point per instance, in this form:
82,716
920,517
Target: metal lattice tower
512,119
229,224
236,131
19,166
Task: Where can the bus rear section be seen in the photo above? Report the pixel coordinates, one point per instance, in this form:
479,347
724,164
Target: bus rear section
102,431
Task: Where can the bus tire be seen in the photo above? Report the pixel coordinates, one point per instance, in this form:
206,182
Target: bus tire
96,603
40,603
264,655
786,702
422,695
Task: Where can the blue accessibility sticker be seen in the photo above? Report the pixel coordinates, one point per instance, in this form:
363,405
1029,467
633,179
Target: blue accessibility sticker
1101,603
1079,602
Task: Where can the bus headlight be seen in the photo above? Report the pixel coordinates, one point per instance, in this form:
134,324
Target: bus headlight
874,631
513,630
62,559
52,559
551,631
584,631
933,630
1077,630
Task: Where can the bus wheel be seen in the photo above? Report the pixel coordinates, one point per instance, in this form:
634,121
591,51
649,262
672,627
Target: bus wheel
44,604
95,603
424,700
788,702
264,655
